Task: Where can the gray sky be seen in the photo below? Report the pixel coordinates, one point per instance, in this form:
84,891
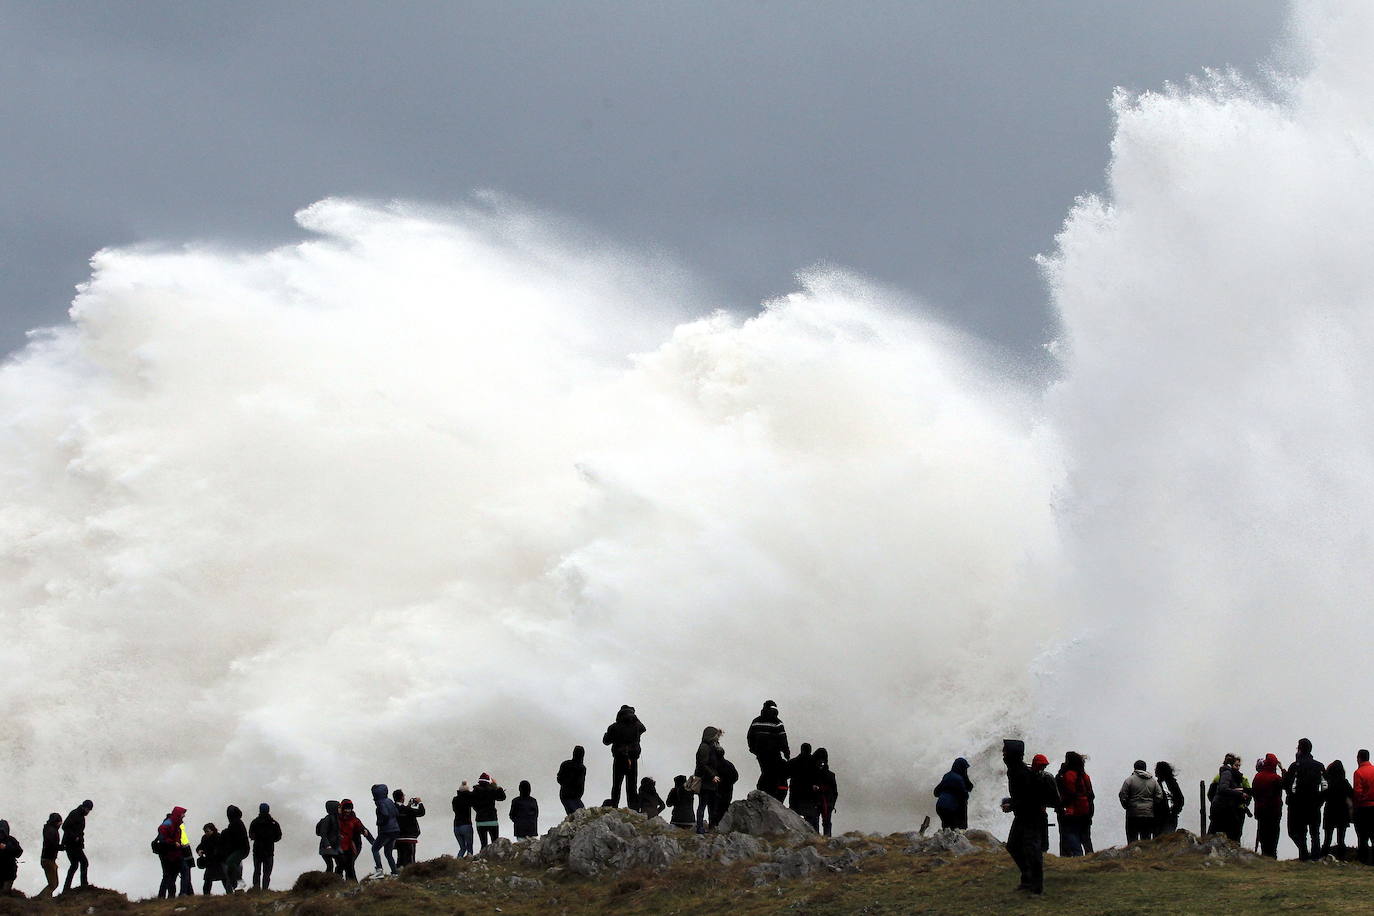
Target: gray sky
931,145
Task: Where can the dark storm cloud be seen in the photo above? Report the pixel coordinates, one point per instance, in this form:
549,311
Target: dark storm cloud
932,145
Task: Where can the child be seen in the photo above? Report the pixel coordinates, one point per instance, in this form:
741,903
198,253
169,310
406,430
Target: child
524,812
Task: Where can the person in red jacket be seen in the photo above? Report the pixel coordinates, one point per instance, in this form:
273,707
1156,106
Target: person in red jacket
1077,803
351,833
169,835
1267,792
1363,783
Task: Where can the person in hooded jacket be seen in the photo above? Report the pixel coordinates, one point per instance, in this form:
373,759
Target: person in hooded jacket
622,736
1363,817
388,831
408,814
1304,784
485,795
1229,796
650,803
188,862
572,780
767,741
264,833
951,796
1266,790
170,854
709,755
1138,796
801,774
10,851
524,812
680,801
462,819
327,829
1077,805
74,843
352,833
1171,805
827,788
210,852
235,842
1338,799
1028,800
52,844
725,789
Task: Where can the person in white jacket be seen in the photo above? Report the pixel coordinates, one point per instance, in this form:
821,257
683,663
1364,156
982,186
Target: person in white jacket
1138,795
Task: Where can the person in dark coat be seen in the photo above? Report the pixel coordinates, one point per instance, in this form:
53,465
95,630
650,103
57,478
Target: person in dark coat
169,855
1267,791
1304,783
485,795
680,801
801,773
1166,814
462,819
210,852
264,833
725,792
10,851
1026,841
327,829
234,840
1229,798
408,814
650,803
709,756
622,736
388,830
74,842
1338,802
767,741
524,812
827,788
951,796
572,780
52,844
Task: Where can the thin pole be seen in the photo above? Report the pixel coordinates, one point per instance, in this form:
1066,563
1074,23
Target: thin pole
1202,805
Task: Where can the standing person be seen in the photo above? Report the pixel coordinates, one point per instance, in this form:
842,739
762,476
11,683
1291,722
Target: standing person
1267,792
264,833
388,831
767,741
1229,797
234,839
408,817
680,801
1029,825
951,796
709,755
1138,795
352,832
725,791
801,773
650,804
1170,806
524,812
10,851
74,842
1040,765
188,861
827,788
572,780
327,829
1363,790
1304,784
169,852
485,795
1077,804
210,856
52,843
1338,800
462,819
622,736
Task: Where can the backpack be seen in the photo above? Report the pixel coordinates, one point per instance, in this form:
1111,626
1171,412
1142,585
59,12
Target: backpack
158,845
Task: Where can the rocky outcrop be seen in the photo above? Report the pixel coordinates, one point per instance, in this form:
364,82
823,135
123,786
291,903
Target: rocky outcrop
760,814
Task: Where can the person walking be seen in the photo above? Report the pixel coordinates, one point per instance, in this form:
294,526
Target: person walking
264,833
524,813
52,844
169,852
1170,806
74,843
951,796
1362,787
1077,804
210,852
327,829
462,819
408,814
708,758
352,833
1026,841
1304,784
10,851
1138,796
388,831
650,803
234,841
767,741
572,780
827,788
485,795
1229,796
623,737
680,802
1266,789
1338,800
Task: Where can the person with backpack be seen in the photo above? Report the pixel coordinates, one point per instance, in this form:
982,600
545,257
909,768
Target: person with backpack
1229,795
408,814
1338,799
1029,825
1077,804
327,829
10,851
708,758
74,842
1267,792
388,831
1138,795
827,788
1304,783
52,845
725,790
1362,790
1170,805
524,812
951,796
572,780
264,833
485,795
767,741
210,852
352,833
462,819
680,802
801,775
650,804
623,736
168,848
234,840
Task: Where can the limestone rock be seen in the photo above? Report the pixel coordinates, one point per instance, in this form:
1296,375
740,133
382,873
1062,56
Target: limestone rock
760,814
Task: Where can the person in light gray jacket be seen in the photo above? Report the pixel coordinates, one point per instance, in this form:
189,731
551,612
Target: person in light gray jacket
1138,795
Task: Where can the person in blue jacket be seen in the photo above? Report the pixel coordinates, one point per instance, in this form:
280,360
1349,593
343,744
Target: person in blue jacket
952,796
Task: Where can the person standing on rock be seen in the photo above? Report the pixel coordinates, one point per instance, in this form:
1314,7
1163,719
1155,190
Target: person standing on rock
650,803
1267,791
1363,816
524,812
52,844
74,842
327,829
622,736
1029,825
1139,794
1077,805
462,819
1229,796
827,788
1166,814
169,852
1304,783
572,780
709,756
408,814
951,796
10,851
352,832
485,795
680,801
1337,799
767,740
801,773
264,833
729,775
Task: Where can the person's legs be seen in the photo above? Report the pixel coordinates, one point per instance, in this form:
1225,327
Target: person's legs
348,863
233,871
257,870
1085,835
1016,849
1267,831
1314,828
1297,831
703,807
1363,834
266,870
171,870
49,872
619,769
73,863
825,821
328,863
632,784
1132,829
405,853
206,885
464,840
571,804
187,887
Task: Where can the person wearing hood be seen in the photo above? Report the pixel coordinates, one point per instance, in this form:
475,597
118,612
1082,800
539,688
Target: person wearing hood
462,819
74,842
210,853
1077,805
680,801
169,852
1171,806
951,796
52,844
1338,800
767,741
1229,796
408,814
1138,796
352,833
650,803
725,793
572,780
485,795
1304,783
622,736
388,831
10,851
327,829
188,862
709,755
1267,792
827,788
265,834
524,812
236,848
1363,817
1029,825
801,773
